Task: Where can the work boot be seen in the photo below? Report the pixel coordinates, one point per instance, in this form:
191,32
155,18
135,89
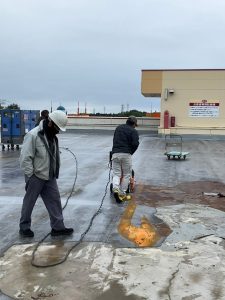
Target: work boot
116,193
124,197
120,196
116,190
64,231
26,233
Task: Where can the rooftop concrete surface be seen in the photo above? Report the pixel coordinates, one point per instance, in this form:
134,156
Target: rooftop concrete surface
185,228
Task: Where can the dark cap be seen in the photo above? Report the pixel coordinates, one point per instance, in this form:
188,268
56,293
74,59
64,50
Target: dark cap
133,120
44,113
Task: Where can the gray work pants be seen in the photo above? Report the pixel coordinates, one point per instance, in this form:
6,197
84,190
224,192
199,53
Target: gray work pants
122,168
48,190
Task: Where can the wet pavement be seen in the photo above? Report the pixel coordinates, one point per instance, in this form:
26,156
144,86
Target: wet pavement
167,243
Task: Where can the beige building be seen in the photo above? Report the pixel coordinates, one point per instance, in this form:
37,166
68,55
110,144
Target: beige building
192,100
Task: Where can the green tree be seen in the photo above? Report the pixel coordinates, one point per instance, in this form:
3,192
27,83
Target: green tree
133,112
13,106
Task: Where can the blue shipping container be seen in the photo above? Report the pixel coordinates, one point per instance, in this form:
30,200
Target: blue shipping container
30,118
15,124
10,122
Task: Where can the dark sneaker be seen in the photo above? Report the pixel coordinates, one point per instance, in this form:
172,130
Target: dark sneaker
116,195
65,231
26,233
120,197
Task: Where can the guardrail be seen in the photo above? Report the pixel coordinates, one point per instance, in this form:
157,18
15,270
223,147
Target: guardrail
110,122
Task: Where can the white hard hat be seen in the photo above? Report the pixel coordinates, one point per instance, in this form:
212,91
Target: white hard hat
59,118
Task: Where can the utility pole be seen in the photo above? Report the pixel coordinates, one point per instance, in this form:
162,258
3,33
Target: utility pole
78,108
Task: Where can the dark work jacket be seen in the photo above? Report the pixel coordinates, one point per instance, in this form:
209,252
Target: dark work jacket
125,140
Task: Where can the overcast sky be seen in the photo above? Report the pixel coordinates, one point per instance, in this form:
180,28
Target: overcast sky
93,51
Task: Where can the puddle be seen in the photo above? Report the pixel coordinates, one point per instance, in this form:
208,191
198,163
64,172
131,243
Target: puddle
50,254
149,233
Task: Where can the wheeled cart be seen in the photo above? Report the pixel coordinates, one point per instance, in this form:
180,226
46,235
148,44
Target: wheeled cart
173,147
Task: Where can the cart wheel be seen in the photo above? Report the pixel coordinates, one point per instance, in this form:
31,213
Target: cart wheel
184,157
168,156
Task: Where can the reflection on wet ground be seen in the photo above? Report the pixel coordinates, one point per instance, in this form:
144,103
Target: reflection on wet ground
145,235
9,166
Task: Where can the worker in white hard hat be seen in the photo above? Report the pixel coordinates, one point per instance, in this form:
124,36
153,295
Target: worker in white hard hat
125,143
40,161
